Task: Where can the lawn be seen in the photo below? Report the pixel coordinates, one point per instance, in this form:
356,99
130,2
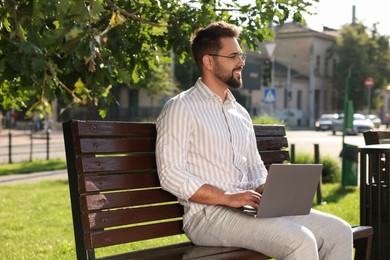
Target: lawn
36,222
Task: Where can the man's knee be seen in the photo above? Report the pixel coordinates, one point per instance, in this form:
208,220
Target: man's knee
304,246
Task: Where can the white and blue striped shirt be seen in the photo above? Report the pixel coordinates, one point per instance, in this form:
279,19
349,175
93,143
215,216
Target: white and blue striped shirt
202,140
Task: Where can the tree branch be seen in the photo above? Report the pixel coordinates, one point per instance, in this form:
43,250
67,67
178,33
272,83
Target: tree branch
133,17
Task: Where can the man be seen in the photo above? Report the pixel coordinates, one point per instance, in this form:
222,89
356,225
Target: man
207,157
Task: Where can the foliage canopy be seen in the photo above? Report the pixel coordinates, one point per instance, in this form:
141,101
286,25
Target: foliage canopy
78,50
362,53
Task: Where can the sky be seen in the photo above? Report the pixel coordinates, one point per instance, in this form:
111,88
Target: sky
336,13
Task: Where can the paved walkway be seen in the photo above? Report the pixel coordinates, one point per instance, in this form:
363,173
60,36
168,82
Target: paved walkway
33,177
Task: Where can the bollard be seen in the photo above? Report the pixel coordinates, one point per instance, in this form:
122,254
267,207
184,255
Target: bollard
292,153
9,147
317,160
31,145
47,144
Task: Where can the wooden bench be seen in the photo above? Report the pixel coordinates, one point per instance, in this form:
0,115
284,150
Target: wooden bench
116,197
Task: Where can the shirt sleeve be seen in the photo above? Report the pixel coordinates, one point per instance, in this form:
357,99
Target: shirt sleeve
174,131
257,171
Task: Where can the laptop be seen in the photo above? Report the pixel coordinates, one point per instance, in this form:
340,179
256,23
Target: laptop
289,190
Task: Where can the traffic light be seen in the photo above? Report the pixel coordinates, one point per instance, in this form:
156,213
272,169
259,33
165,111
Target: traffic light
267,71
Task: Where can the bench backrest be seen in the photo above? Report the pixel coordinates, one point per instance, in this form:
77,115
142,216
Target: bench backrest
115,193
377,137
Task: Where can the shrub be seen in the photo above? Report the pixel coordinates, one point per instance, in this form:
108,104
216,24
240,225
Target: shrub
266,120
332,170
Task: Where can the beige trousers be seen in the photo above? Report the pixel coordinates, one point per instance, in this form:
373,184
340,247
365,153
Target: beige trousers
315,236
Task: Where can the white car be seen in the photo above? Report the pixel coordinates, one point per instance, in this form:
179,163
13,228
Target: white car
361,124
376,120
325,122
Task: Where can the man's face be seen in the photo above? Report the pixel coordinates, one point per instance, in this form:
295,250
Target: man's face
228,68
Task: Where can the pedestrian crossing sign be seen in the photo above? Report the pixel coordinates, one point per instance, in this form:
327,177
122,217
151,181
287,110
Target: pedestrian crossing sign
269,95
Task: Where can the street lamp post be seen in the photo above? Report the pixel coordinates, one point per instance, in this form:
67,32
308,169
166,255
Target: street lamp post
270,47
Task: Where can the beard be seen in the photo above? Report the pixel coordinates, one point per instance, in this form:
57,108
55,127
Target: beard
228,78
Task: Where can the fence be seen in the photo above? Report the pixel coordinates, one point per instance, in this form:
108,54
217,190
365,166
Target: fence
17,146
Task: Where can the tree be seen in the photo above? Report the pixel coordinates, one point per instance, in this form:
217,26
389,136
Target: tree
79,50
363,53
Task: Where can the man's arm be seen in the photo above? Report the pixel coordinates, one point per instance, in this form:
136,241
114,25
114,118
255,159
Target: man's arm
208,194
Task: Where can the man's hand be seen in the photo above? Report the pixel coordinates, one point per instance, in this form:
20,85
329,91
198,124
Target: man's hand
243,198
211,195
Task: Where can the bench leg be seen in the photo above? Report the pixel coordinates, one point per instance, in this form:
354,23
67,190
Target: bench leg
362,242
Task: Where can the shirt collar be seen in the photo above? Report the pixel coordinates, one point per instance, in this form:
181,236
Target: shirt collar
208,93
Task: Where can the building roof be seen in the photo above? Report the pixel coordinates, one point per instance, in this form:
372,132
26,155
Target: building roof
296,29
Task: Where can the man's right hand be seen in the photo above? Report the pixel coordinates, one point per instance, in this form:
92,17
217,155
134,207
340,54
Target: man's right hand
208,194
243,198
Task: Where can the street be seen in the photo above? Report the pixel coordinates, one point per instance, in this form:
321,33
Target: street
329,145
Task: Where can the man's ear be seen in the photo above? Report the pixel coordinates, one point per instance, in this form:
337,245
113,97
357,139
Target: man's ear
208,62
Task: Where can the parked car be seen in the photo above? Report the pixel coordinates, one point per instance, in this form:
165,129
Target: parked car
376,120
325,122
361,124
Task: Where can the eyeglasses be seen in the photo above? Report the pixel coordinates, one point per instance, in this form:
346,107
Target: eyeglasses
232,56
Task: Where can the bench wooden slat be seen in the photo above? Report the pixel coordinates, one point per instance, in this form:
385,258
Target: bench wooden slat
105,219
270,130
116,145
116,164
270,157
92,128
131,234
124,199
271,143
101,183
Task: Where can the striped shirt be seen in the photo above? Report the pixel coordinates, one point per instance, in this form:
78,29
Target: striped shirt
202,140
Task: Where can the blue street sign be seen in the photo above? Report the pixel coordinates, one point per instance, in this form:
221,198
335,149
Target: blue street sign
269,95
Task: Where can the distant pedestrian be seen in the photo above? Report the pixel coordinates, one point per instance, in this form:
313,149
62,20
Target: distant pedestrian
14,117
1,121
8,118
387,119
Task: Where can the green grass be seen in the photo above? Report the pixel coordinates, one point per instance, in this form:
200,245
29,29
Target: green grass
36,222
34,166
342,202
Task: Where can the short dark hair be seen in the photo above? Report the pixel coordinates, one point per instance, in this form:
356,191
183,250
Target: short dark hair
207,40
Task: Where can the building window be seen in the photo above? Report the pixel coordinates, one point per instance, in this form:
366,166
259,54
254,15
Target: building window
299,99
285,100
334,65
325,100
318,62
326,68
334,101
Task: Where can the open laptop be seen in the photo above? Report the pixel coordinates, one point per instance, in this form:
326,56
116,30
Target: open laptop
289,190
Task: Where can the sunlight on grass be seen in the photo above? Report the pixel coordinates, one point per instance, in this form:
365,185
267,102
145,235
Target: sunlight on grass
36,221
342,202
34,166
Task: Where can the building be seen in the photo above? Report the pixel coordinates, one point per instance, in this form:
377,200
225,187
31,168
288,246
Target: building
302,75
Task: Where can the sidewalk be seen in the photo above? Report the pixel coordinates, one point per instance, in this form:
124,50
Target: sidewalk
33,177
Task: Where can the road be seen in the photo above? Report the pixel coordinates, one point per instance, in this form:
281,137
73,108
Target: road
329,145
